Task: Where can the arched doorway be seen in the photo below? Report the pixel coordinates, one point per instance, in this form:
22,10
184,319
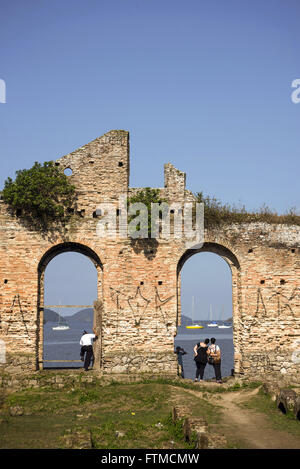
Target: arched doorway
61,255
217,295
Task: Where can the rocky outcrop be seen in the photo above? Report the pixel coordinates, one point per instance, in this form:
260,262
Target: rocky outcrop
287,399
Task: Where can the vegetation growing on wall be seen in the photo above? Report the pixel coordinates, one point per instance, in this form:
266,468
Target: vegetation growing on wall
147,197
41,194
216,213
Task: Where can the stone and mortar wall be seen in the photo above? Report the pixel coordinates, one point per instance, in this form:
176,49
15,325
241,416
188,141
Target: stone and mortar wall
138,281
266,298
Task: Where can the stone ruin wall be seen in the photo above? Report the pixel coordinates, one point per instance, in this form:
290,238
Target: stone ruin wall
138,282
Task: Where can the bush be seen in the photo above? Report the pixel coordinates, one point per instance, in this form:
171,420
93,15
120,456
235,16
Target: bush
216,213
41,194
147,197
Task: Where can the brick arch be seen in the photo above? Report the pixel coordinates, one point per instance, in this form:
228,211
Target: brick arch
215,248
47,257
235,268
68,247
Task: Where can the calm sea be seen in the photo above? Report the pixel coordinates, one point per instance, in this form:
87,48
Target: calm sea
64,345
188,338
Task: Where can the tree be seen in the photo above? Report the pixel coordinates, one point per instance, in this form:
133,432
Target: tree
42,194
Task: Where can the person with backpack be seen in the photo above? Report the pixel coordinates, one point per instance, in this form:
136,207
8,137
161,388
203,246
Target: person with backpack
201,351
214,359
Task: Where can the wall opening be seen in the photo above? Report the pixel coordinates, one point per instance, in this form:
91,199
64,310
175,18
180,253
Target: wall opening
70,280
282,407
206,297
68,172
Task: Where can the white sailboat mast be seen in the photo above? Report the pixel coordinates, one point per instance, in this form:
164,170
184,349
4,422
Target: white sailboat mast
193,306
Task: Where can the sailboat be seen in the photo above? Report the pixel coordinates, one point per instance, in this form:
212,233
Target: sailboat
212,323
61,325
224,325
193,326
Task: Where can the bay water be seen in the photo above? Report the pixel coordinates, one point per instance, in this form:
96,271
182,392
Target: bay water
64,345
188,338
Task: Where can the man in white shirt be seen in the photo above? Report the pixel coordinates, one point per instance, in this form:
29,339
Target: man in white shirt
86,343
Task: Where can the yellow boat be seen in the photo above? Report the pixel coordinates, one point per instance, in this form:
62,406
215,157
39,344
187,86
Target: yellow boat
194,326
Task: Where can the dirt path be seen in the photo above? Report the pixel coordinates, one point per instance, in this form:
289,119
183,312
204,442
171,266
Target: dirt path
241,426
251,428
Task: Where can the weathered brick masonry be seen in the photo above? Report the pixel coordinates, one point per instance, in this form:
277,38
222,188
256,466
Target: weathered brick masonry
138,308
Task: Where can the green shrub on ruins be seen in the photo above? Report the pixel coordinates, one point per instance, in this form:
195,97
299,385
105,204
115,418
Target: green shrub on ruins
217,213
147,197
41,194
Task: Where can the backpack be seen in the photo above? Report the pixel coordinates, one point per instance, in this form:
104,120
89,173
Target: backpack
201,356
213,360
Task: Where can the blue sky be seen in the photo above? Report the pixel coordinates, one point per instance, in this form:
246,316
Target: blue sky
203,85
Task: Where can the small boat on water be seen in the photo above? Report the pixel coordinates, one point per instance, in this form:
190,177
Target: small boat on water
212,324
224,325
61,325
193,326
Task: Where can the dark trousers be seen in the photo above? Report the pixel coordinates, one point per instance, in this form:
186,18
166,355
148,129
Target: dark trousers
217,368
89,355
200,370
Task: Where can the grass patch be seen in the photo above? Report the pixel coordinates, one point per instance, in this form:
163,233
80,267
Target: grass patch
185,384
136,434
139,412
279,421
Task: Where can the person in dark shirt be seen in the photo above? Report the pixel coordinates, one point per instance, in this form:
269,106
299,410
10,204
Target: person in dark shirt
180,352
200,351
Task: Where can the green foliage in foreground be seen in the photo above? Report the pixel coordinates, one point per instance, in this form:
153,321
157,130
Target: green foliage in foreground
141,434
132,415
41,194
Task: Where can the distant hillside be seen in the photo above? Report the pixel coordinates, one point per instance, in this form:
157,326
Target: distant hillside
50,316
185,320
229,320
84,315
